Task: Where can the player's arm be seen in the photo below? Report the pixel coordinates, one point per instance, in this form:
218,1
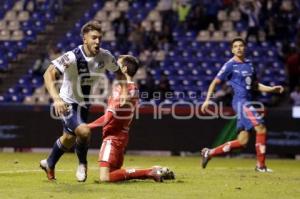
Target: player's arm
50,76
270,89
101,121
222,75
210,91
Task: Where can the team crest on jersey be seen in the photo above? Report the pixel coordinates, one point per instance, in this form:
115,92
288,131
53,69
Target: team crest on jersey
82,67
99,65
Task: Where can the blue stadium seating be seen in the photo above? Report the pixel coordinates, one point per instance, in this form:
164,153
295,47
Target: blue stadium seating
190,65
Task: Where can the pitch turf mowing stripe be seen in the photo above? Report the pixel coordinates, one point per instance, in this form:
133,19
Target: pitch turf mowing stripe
39,170
30,171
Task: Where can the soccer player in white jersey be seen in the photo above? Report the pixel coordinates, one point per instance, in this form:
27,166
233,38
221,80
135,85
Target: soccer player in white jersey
79,69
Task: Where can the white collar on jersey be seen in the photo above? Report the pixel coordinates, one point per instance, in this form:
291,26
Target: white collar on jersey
82,50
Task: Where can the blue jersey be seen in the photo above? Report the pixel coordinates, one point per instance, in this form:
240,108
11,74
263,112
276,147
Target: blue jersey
241,76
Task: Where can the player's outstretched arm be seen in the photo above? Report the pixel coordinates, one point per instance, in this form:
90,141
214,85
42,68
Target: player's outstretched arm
101,121
270,89
210,91
50,76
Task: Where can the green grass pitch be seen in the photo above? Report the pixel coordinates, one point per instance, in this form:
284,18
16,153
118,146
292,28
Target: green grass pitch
21,178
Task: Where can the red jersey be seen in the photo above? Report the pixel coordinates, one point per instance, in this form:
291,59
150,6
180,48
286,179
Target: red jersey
122,116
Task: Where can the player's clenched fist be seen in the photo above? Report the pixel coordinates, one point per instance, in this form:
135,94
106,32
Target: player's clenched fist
204,106
278,89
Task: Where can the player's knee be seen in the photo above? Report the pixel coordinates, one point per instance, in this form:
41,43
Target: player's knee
243,138
243,141
83,132
261,129
67,140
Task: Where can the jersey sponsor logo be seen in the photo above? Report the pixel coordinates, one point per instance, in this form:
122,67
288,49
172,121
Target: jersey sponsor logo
83,70
64,60
245,73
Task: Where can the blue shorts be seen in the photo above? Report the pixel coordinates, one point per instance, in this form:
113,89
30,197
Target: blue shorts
247,116
76,115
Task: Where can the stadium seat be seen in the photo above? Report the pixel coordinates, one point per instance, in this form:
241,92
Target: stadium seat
123,6
30,35
222,15
13,25
235,15
17,35
4,99
4,35
23,16
109,6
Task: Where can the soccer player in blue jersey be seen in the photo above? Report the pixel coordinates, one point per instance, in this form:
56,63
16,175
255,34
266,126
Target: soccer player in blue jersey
80,69
240,73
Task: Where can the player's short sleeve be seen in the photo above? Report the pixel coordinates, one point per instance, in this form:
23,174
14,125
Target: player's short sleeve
64,61
225,72
110,62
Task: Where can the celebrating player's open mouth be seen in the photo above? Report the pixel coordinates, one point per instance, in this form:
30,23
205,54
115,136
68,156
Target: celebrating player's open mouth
96,49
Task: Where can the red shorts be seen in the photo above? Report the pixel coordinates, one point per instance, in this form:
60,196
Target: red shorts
112,151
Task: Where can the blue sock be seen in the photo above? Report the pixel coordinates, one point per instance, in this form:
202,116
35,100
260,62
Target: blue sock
81,149
57,151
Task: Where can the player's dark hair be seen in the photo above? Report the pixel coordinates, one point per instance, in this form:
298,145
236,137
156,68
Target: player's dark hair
131,63
238,39
89,26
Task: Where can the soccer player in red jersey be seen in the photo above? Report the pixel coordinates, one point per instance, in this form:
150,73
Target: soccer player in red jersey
241,75
116,124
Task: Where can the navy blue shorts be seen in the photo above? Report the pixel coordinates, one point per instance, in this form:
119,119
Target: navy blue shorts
76,115
247,116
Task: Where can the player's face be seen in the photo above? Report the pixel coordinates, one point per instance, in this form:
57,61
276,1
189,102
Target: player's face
92,40
238,49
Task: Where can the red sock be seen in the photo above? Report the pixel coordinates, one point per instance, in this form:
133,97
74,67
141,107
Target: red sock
226,147
127,174
260,149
